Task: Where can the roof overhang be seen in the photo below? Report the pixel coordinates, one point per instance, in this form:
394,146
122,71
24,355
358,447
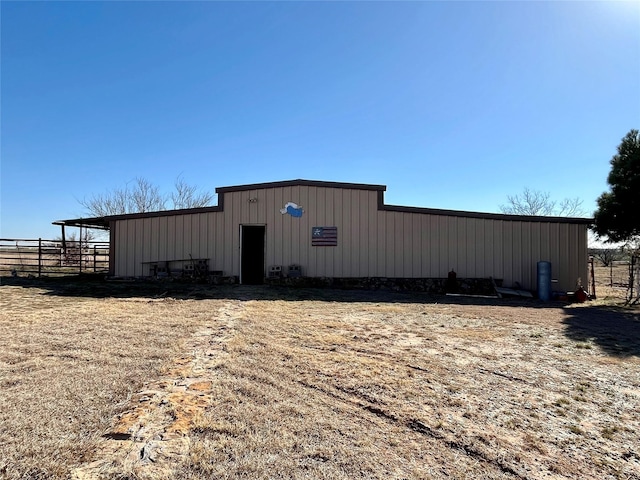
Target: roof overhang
95,222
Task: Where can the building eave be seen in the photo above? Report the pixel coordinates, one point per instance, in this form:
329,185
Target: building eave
485,215
90,222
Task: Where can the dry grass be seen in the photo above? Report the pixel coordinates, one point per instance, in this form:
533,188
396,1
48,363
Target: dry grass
242,383
69,364
611,283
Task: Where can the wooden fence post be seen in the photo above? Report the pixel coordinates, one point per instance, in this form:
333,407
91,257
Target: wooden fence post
611,273
64,243
632,267
39,257
80,250
593,279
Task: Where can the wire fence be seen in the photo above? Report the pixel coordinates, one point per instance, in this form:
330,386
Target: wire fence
620,278
38,257
634,280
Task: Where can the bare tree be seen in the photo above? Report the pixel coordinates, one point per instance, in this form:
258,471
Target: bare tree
76,241
72,246
535,203
606,256
570,207
187,196
141,196
145,197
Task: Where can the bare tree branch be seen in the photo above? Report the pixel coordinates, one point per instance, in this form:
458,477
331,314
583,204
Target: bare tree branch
536,203
570,207
187,196
606,256
145,197
141,196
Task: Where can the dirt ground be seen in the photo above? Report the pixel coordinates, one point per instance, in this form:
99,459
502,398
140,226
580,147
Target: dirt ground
152,382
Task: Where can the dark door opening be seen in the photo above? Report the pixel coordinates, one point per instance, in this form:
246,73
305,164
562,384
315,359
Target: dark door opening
252,255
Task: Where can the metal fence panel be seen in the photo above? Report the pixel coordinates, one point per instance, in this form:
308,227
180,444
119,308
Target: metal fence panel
38,257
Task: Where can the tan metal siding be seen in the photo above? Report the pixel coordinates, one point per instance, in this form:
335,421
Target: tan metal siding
120,250
371,242
170,240
442,246
213,222
360,228
561,266
333,217
381,228
206,247
434,241
507,254
516,261
271,254
371,233
230,228
315,210
136,232
583,253
544,242
162,233
425,245
318,262
276,232
407,245
416,246
345,247
294,229
357,244
489,262
187,229
154,238
498,248
527,261
146,245
145,234
389,235
135,229
215,235
198,245
394,245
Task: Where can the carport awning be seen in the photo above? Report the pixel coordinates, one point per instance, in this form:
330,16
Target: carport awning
95,222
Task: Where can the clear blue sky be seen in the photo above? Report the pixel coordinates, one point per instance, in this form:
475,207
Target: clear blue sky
450,104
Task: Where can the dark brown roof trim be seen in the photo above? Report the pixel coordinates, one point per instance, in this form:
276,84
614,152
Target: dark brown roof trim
167,213
303,183
103,222
489,216
483,215
94,222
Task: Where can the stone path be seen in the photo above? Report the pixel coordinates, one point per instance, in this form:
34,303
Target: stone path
150,437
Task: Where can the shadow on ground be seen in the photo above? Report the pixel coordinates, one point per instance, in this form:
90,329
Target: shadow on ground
615,330
94,286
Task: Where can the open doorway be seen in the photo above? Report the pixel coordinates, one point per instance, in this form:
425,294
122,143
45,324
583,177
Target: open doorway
252,254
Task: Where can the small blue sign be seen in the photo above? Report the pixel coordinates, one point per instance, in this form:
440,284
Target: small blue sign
292,209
